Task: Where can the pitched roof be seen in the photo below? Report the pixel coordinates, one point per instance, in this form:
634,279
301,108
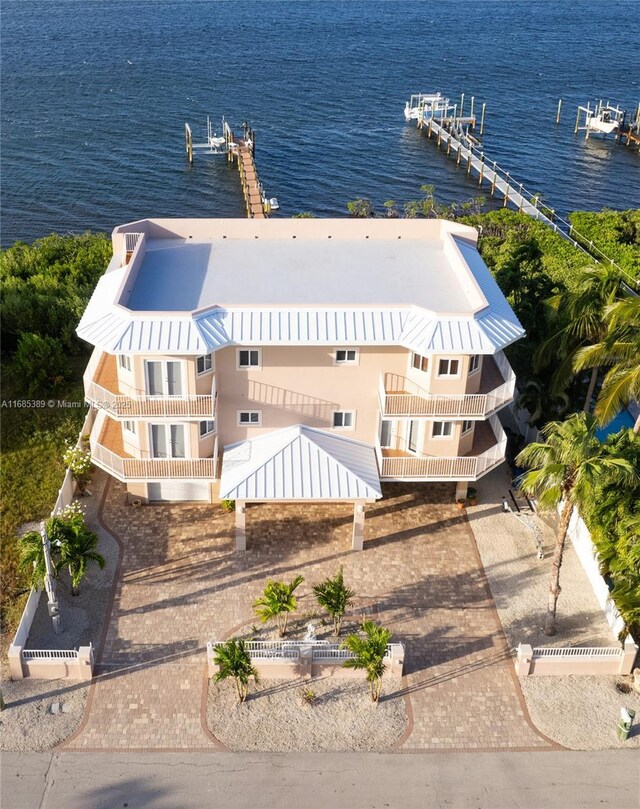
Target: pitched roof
299,463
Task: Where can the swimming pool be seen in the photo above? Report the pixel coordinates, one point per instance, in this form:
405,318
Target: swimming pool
622,420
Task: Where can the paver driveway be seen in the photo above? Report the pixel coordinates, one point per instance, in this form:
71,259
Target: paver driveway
182,583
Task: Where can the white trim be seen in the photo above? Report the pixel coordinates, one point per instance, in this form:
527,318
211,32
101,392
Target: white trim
249,423
249,367
469,428
346,361
351,426
124,362
129,429
443,435
450,360
207,370
208,432
420,370
478,366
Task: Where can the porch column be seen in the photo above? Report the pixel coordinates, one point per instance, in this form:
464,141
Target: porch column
241,536
357,542
461,489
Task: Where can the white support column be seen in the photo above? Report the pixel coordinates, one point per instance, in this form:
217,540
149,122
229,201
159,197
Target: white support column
241,535
357,542
461,489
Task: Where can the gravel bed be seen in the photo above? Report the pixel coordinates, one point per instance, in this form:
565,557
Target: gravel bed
519,581
27,723
581,712
275,718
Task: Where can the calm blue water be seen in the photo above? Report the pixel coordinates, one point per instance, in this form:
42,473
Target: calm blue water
624,420
95,95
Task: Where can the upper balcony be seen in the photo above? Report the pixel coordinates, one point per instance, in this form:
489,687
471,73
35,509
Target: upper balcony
108,452
488,451
402,398
102,390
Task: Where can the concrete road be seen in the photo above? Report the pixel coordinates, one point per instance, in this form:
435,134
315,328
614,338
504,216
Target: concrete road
558,780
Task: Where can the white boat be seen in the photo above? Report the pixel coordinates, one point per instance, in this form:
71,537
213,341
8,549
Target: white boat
605,122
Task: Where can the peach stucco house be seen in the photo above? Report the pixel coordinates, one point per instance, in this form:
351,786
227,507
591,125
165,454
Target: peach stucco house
296,359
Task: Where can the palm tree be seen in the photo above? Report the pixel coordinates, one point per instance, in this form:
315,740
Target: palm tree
277,601
233,660
32,559
619,349
335,598
565,468
368,654
77,548
581,312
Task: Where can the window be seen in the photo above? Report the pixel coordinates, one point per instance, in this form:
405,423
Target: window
346,356
129,426
249,358
164,378
125,362
207,427
385,434
204,364
442,429
344,419
448,367
168,441
474,363
252,418
420,363
467,426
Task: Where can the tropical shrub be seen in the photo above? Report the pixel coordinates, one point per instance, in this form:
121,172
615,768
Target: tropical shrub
234,661
335,598
368,654
277,601
78,460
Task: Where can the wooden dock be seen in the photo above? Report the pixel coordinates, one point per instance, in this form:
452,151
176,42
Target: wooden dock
242,150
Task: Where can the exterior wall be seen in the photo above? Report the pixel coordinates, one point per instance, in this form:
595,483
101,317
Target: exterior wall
303,385
465,442
431,382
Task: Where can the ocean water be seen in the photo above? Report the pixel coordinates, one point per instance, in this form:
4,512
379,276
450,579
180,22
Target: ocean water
95,94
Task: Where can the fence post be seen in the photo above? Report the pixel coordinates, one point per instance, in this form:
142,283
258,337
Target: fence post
628,657
524,659
15,662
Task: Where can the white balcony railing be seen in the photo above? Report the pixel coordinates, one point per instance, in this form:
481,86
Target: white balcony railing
142,406
461,467
402,398
151,468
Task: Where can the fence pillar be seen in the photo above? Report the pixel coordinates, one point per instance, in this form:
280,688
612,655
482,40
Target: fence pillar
357,541
14,655
241,524
305,662
397,659
85,662
524,660
628,657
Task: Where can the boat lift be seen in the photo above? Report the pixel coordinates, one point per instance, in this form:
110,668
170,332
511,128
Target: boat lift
215,144
603,119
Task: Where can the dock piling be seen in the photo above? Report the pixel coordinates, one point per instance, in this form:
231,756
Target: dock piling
484,107
559,110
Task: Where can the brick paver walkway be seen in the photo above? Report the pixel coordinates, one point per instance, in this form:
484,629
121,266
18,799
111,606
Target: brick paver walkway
182,584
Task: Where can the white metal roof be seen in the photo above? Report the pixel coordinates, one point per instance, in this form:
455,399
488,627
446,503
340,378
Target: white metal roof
299,463
466,312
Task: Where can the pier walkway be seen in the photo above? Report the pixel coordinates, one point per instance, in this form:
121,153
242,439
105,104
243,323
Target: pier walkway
242,151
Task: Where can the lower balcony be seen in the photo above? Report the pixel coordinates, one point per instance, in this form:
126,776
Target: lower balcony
488,451
101,389
107,452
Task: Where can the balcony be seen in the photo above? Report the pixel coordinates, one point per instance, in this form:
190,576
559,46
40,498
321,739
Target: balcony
488,450
107,452
402,398
101,389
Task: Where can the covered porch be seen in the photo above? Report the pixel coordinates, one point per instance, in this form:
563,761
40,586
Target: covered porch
300,464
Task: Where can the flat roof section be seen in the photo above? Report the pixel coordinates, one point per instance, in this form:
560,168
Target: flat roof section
181,276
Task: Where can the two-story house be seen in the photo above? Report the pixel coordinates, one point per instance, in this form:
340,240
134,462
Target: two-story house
296,359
